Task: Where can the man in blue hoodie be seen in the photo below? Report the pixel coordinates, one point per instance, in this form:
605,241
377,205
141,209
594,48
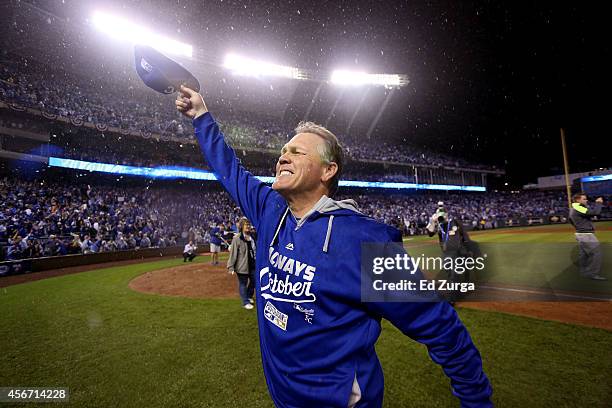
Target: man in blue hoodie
316,335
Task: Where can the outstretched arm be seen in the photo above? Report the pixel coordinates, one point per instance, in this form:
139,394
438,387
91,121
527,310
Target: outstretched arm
588,212
435,324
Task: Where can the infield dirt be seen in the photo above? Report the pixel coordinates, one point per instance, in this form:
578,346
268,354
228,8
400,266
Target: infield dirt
206,281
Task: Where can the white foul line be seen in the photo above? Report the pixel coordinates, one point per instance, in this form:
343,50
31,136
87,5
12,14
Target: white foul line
546,293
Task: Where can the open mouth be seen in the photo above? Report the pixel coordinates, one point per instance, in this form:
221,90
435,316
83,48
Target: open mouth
285,173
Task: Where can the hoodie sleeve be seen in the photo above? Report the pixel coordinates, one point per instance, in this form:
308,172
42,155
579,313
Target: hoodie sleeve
436,325
246,190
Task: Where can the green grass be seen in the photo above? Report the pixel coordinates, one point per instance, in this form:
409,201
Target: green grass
114,347
539,257
546,233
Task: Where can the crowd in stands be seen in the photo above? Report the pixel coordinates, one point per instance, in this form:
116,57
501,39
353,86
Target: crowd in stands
90,145
159,158
132,107
476,210
391,153
105,147
38,219
42,219
48,219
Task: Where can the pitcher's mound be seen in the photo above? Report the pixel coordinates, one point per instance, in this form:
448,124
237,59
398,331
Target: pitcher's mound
189,280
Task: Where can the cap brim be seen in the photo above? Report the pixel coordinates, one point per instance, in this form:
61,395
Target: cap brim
161,73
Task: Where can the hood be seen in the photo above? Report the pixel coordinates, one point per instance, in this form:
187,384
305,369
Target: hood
325,206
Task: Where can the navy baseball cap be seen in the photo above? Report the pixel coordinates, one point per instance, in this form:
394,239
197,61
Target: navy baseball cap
160,73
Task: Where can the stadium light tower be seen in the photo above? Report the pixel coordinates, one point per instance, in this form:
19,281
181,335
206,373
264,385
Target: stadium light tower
123,30
250,67
352,78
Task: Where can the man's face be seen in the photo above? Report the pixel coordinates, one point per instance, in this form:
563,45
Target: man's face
299,168
246,228
582,200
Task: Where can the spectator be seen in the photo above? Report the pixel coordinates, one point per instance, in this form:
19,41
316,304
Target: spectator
242,261
189,252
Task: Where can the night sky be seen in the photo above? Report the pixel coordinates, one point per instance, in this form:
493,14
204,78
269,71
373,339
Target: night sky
489,81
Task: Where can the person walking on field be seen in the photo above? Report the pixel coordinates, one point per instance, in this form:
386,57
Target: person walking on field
590,249
242,262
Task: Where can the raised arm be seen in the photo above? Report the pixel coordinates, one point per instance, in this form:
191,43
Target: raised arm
588,212
246,190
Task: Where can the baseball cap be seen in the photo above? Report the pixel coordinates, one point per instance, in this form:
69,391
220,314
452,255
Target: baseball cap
160,73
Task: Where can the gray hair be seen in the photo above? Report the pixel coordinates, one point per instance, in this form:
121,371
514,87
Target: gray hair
330,151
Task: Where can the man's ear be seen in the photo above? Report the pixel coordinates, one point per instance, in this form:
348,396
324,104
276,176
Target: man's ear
329,171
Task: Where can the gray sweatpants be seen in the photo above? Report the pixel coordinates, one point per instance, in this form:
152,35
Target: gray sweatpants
590,254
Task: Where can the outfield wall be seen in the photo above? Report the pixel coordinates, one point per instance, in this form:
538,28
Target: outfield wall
56,262
503,222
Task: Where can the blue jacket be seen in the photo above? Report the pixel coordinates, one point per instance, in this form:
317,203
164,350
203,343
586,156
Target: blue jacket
316,336
214,236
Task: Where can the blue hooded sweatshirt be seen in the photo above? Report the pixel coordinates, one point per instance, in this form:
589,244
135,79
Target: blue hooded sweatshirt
316,335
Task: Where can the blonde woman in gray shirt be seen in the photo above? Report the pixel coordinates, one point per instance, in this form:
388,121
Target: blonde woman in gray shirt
242,262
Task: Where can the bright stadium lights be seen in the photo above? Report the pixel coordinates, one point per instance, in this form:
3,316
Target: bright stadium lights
123,30
250,67
351,78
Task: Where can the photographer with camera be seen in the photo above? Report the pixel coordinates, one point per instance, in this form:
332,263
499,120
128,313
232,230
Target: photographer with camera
453,242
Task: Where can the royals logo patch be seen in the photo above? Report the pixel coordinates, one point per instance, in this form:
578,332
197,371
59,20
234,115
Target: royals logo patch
308,313
145,65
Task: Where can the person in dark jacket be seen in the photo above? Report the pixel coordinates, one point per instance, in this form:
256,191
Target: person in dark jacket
242,261
453,240
590,250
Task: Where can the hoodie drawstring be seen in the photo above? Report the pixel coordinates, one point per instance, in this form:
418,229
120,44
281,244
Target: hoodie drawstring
328,235
280,224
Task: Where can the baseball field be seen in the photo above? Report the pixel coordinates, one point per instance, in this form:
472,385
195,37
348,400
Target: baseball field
115,341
